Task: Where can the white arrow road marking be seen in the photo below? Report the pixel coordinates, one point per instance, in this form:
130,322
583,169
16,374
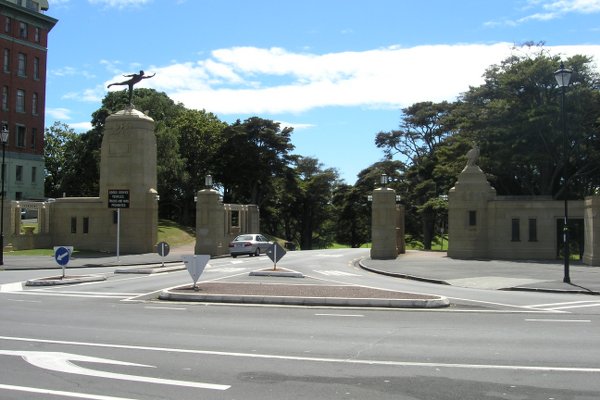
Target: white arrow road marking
56,361
11,287
61,393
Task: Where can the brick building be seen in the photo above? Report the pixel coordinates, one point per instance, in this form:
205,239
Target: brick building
24,32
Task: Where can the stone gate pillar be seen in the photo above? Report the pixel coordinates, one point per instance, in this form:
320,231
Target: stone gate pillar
128,162
591,221
383,225
210,224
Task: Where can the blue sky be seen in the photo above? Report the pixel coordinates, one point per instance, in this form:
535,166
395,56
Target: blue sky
338,71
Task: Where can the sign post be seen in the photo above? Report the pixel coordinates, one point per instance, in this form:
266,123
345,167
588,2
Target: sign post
163,250
118,198
62,255
275,253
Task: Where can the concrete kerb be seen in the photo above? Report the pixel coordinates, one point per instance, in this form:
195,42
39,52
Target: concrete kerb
67,280
399,275
151,269
306,301
280,273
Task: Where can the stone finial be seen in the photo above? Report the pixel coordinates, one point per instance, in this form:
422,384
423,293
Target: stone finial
473,156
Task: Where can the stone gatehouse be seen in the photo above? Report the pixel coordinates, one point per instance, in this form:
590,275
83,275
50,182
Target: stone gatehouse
483,225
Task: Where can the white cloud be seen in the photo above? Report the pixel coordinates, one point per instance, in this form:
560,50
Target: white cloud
81,126
120,3
547,10
62,114
250,80
572,6
296,125
94,95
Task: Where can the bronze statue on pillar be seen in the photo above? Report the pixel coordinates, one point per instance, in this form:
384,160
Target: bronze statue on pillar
135,78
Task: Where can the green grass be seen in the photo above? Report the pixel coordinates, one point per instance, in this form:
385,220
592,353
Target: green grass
174,234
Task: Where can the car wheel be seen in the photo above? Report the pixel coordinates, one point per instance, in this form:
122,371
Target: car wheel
234,255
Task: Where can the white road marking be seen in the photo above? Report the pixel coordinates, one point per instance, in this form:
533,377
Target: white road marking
62,393
228,270
62,362
556,320
524,307
339,315
567,305
11,287
166,308
24,301
59,294
335,273
316,359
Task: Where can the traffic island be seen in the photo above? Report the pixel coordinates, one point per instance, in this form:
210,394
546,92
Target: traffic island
300,295
66,280
279,273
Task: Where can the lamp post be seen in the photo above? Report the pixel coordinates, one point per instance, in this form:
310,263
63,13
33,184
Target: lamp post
383,179
563,76
4,138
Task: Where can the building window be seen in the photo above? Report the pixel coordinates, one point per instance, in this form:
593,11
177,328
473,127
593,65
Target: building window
33,137
21,130
37,35
515,230
6,60
20,100
235,218
472,218
18,195
7,24
19,173
73,224
4,98
36,68
86,224
33,174
532,230
22,65
23,30
34,104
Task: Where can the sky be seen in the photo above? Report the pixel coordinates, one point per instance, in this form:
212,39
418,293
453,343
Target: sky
338,71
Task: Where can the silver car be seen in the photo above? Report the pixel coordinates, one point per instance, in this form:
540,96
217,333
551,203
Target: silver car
253,244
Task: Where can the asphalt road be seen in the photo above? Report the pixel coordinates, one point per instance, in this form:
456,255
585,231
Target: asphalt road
113,340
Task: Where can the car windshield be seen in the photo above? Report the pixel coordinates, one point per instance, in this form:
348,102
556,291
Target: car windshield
243,237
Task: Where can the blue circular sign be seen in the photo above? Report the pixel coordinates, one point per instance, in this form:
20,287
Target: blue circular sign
62,255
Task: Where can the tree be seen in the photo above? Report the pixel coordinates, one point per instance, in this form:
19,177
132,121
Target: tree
253,154
56,139
425,127
353,216
313,204
515,118
199,137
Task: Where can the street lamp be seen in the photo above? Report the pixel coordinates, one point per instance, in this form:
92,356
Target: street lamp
4,138
563,76
208,181
383,179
